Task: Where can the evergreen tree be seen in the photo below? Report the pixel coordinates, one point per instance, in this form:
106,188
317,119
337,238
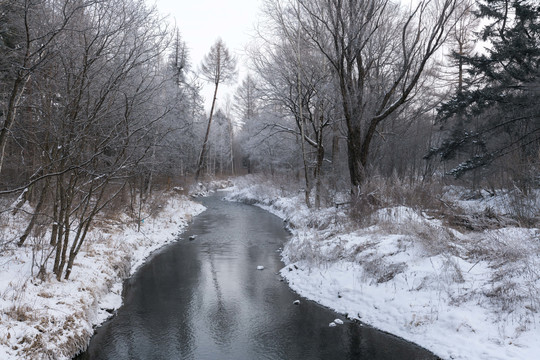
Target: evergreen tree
497,113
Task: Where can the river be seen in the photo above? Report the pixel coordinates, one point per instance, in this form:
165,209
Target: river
204,298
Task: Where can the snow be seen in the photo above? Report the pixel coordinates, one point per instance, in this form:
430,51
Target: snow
462,295
55,319
209,187
260,267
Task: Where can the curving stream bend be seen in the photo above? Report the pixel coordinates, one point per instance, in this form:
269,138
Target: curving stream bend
205,299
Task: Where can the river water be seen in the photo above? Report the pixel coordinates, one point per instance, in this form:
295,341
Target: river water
205,299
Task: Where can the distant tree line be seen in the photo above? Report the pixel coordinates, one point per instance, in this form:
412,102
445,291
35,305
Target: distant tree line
99,102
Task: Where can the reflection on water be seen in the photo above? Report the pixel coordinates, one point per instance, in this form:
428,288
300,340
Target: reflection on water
205,299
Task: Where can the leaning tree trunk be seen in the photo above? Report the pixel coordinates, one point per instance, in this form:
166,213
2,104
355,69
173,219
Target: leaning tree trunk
203,150
37,210
62,250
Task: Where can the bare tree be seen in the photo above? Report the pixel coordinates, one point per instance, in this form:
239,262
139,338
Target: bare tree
89,112
246,109
297,77
379,52
462,37
108,115
460,44
246,99
218,66
31,43
179,59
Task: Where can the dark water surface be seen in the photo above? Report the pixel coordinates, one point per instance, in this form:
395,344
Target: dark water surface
205,299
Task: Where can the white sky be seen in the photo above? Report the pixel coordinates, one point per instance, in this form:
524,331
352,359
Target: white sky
201,22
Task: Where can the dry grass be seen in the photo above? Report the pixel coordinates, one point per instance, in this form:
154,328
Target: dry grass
505,280
429,198
379,193
38,346
514,282
21,313
117,206
154,205
434,239
65,334
525,207
382,271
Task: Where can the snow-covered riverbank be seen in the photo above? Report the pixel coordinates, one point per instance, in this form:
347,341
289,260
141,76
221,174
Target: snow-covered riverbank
462,295
54,319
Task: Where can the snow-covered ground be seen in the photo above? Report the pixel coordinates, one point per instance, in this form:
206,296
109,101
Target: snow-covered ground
54,319
462,295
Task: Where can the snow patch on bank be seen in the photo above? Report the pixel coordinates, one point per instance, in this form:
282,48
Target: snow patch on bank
55,319
471,295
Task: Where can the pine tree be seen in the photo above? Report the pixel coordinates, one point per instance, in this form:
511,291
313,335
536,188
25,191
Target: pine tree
497,113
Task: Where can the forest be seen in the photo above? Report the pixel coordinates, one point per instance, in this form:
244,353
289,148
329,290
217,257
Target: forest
357,105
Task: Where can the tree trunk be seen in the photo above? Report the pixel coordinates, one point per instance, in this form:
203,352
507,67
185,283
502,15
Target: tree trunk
357,170
320,158
11,114
307,191
203,150
141,196
76,247
318,173
59,221
56,217
231,141
37,210
63,241
335,147
64,247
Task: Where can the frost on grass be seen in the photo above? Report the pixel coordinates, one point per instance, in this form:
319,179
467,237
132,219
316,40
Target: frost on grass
49,319
463,281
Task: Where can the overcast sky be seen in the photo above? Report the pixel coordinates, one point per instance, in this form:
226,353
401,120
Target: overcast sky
201,22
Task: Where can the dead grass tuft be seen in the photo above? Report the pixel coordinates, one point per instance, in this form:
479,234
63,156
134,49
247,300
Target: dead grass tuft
514,284
379,193
21,313
525,207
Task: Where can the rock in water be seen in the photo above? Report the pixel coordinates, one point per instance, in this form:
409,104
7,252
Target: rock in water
338,321
332,324
296,302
